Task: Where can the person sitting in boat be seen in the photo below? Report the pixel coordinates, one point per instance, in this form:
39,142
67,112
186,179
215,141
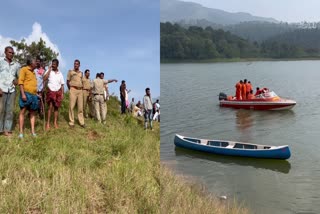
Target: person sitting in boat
231,97
238,90
139,108
258,91
250,95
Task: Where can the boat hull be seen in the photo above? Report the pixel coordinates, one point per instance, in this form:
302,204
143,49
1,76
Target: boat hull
258,105
280,152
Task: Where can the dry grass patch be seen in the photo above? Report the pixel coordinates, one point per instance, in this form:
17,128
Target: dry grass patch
93,135
181,196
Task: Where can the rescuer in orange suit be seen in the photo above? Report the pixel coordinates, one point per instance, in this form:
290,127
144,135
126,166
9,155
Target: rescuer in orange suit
248,88
250,95
244,90
238,90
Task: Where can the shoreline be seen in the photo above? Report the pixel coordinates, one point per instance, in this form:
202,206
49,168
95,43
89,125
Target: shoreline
186,194
219,60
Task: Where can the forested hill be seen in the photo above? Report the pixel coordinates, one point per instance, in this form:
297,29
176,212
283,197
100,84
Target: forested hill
197,43
253,30
260,31
306,39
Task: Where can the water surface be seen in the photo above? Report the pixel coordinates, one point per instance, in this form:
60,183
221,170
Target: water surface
189,106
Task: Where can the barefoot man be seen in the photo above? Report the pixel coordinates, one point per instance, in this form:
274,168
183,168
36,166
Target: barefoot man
28,99
55,91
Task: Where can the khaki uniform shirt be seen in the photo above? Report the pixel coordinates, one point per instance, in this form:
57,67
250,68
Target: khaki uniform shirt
86,83
98,86
75,78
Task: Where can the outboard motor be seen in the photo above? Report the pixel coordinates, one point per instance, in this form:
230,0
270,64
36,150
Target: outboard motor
222,96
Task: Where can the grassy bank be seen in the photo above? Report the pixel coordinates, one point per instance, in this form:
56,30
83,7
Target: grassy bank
112,168
237,60
184,195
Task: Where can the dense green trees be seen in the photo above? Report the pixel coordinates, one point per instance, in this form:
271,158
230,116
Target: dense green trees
207,43
35,49
198,43
302,42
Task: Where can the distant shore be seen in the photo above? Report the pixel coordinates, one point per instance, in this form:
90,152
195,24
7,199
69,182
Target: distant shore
164,61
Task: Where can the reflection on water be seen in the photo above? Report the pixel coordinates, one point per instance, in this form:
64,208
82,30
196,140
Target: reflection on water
271,115
282,166
244,119
247,122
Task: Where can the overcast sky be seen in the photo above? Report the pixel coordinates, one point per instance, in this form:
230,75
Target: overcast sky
282,10
119,38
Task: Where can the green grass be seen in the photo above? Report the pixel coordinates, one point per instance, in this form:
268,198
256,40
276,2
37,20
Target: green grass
112,168
186,195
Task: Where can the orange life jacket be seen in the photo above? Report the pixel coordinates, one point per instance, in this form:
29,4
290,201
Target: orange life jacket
238,90
249,87
244,91
250,96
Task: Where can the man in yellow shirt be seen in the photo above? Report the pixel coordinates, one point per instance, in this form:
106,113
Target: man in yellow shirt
28,99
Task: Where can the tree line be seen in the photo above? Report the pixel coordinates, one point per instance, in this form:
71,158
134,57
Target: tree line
33,50
196,43
251,30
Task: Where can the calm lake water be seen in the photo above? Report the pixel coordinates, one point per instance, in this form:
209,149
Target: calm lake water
189,106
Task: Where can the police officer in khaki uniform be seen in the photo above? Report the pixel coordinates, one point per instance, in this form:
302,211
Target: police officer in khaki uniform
91,102
91,99
86,92
75,86
98,93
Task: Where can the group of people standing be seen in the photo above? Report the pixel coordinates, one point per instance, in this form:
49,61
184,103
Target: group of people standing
12,75
39,86
84,92
244,90
137,109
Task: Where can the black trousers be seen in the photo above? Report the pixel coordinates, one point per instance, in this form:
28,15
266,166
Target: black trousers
123,105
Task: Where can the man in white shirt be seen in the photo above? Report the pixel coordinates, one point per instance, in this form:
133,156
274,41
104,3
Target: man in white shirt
147,104
55,91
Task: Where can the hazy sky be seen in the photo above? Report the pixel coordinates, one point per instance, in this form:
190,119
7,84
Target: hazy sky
119,38
282,10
